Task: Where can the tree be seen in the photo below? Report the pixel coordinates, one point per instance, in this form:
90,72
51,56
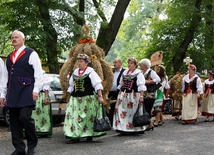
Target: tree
185,29
53,26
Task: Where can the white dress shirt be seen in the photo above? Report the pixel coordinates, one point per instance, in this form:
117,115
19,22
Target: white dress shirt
116,74
38,72
2,78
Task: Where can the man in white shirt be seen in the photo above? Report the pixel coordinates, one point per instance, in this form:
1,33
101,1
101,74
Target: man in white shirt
118,71
22,83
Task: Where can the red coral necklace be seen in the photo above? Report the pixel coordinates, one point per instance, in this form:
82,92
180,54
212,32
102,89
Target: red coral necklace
79,72
130,72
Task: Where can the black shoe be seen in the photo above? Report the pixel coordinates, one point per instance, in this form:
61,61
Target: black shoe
18,153
30,151
150,128
72,141
89,139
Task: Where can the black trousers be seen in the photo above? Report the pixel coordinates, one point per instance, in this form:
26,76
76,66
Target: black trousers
113,96
148,103
20,120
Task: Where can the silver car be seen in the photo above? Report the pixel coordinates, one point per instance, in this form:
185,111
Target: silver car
58,109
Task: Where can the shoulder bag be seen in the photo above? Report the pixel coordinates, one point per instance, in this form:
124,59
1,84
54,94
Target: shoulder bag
152,87
101,124
141,120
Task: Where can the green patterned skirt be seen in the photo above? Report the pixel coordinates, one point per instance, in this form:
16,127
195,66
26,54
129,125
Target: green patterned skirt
158,101
42,116
80,113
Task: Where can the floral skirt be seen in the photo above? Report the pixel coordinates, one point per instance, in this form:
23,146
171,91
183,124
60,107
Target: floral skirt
125,109
79,117
42,116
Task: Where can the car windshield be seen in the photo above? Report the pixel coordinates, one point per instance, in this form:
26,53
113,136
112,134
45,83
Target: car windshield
55,83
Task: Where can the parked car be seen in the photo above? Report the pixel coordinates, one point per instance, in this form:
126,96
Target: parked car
58,109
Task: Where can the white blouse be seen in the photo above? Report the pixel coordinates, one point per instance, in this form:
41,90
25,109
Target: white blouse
46,82
140,80
207,81
95,79
153,75
188,80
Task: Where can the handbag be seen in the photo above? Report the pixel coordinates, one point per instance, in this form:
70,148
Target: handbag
141,120
167,106
101,124
153,87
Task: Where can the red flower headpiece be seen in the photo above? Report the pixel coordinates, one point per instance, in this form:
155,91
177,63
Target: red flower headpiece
193,67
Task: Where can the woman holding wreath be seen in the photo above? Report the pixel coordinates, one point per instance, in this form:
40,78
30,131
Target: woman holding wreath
83,104
131,86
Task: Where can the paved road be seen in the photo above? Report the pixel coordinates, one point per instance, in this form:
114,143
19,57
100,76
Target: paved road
170,139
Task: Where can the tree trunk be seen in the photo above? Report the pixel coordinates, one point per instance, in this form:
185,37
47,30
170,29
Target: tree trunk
208,43
180,54
81,9
108,31
51,37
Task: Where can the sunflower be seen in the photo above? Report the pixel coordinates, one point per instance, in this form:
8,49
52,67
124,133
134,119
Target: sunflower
93,57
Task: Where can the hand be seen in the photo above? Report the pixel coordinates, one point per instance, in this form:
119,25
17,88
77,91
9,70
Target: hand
141,100
148,81
198,95
2,103
35,96
46,101
100,100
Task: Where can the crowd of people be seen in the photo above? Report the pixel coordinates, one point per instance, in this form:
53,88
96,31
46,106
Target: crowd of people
24,91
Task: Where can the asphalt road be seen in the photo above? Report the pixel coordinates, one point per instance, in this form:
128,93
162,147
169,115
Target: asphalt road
172,138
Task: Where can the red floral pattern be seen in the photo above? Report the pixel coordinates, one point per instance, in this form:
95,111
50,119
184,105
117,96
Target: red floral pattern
123,114
130,105
117,122
129,126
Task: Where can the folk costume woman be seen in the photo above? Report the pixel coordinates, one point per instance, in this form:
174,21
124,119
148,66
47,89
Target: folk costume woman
159,120
83,103
151,77
42,114
192,88
132,86
207,107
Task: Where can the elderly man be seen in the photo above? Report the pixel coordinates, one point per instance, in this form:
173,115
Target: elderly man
23,81
118,71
